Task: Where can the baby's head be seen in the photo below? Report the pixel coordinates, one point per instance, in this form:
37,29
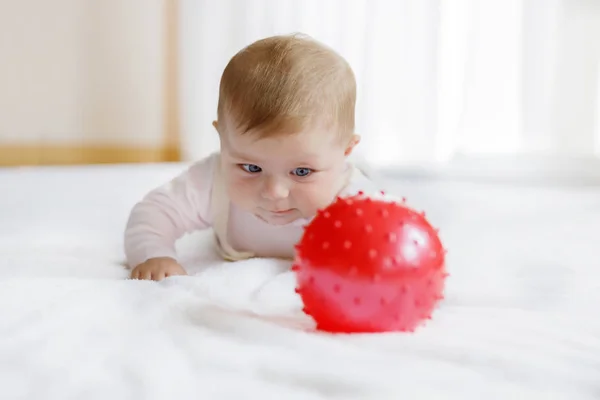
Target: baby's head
286,125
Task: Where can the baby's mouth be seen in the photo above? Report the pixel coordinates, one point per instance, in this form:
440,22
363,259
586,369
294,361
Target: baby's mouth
281,211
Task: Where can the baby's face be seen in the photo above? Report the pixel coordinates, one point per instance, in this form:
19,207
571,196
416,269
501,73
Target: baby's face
281,179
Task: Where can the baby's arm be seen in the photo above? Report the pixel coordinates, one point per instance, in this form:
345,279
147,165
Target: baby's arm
166,214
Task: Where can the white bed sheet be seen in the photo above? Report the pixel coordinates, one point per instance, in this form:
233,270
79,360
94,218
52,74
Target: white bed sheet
520,319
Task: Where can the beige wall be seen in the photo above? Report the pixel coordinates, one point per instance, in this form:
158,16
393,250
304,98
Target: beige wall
84,74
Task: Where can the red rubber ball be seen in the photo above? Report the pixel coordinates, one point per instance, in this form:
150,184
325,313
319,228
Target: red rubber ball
369,265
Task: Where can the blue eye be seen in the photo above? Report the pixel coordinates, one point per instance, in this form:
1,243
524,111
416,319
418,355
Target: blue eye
253,169
302,172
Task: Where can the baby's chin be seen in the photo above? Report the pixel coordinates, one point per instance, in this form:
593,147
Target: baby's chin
292,218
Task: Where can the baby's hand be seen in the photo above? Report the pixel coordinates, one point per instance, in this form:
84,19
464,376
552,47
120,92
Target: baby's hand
157,269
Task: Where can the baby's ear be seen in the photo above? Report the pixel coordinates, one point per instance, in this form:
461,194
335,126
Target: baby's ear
353,142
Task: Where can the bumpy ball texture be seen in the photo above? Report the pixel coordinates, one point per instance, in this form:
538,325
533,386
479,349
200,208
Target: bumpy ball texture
369,265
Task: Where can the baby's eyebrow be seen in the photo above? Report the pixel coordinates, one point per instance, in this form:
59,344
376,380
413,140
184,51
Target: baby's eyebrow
305,162
245,157
309,158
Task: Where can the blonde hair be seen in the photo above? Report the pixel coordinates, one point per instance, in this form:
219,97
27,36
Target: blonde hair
286,84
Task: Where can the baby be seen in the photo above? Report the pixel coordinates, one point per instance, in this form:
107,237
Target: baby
285,120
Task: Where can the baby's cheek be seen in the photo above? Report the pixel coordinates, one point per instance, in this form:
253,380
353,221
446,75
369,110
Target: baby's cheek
315,196
241,190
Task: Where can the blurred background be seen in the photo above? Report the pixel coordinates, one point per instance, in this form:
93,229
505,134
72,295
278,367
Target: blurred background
456,87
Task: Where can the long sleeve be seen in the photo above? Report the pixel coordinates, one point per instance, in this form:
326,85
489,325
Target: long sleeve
168,212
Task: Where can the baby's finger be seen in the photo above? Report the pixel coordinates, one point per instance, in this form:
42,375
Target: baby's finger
157,276
175,272
134,274
146,275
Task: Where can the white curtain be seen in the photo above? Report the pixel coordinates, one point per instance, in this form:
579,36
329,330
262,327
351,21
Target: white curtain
439,81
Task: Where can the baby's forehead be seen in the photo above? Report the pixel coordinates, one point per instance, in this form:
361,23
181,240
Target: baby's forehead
313,136
310,145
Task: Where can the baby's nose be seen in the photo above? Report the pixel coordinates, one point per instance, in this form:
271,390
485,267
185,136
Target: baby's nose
274,189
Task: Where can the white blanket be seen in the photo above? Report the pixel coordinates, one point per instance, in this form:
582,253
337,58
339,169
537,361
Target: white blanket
520,319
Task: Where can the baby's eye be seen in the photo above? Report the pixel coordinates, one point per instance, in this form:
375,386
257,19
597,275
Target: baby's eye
302,172
253,169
